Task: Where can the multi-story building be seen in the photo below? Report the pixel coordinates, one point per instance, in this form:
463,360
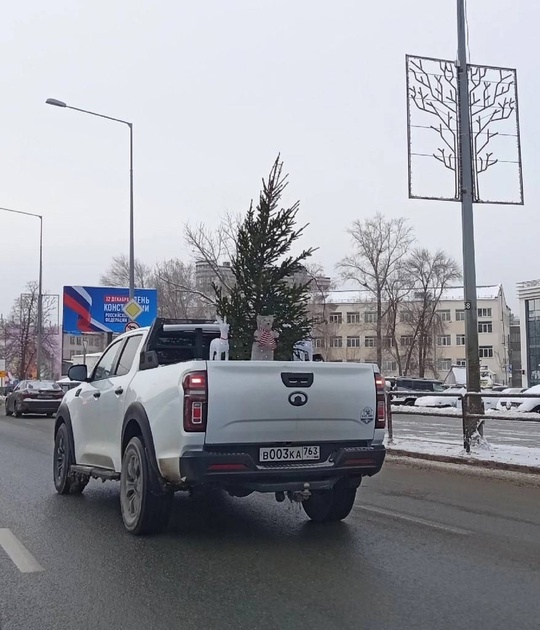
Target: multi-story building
345,330
75,344
516,379
206,275
529,315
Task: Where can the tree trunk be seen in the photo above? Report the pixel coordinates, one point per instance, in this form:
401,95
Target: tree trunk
379,330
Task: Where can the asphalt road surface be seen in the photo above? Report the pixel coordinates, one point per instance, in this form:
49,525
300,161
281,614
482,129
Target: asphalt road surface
443,429
425,548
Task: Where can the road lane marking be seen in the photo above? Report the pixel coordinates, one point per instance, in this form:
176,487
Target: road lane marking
19,554
414,519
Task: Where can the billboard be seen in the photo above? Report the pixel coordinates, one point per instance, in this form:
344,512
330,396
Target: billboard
107,309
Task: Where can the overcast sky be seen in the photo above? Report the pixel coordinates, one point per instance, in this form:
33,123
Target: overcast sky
215,89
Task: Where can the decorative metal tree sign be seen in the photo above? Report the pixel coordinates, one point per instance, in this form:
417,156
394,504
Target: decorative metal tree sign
432,132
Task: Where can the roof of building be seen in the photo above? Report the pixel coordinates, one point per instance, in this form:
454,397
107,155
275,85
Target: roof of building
489,292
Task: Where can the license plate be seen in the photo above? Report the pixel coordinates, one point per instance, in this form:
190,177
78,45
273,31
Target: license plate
43,396
289,453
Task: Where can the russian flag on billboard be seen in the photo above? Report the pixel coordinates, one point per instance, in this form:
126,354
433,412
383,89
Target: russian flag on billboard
100,309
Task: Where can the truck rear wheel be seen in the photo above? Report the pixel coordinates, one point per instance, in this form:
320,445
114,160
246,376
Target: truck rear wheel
144,510
325,506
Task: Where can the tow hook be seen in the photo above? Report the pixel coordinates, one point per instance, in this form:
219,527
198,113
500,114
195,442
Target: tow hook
297,496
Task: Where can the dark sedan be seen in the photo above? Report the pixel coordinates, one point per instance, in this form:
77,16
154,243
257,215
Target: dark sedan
34,397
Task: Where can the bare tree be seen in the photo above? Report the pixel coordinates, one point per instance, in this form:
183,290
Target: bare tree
20,333
117,275
178,296
432,275
380,247
213,247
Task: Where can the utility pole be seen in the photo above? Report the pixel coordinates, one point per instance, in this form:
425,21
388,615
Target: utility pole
467,217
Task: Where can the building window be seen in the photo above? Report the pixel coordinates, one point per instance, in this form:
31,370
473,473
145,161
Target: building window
72,341
79,341
460,340
370,342
406,341
444,365
387,342
486,352
336,342
353,342
318,318
445,316
444,340
461,363
353,318
460,316
318,342
389,366
532,323
336,318
405,318
485,327
484,312
370,318
72,353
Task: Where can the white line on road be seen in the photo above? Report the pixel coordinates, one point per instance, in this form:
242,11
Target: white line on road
414,519
22,558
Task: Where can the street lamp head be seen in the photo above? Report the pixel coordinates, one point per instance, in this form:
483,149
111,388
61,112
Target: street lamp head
55,102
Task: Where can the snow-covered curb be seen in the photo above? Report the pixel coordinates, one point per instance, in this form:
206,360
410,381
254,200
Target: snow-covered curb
518,457
452,411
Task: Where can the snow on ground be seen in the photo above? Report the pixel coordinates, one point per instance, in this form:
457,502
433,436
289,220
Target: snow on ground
506,454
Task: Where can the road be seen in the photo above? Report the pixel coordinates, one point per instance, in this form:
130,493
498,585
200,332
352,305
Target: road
423,549
443,429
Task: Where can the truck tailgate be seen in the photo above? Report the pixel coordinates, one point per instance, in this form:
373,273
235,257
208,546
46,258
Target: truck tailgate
270,401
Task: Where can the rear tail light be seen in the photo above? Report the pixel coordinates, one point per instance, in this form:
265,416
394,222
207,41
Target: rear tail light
195,402
382,406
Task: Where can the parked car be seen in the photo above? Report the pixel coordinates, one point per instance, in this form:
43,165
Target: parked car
35,397
442,401
413,386
521,404
157,415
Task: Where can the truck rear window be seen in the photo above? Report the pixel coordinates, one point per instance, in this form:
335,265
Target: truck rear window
180,347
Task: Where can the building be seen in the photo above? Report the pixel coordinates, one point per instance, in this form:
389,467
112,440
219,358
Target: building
529,316
75,344
206,275
515,353
345,330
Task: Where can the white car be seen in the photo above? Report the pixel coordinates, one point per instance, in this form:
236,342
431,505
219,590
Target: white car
158,416
520,404
442,401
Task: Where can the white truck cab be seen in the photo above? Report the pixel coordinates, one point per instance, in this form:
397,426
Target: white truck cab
157,415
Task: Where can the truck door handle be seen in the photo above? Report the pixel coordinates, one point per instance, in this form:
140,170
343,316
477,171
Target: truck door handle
297,379
96,394
118,391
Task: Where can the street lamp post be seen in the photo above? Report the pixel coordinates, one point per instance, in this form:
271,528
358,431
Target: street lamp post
39,340
57,103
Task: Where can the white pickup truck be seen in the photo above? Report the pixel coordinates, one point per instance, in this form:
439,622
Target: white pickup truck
158,416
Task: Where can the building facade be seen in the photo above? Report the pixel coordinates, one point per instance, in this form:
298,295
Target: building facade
529,315
345,330
75,344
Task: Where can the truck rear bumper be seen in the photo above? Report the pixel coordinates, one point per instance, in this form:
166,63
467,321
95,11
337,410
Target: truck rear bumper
240,470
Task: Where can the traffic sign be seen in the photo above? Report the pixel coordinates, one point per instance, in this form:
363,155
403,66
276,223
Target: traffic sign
132,326
132,309
468,306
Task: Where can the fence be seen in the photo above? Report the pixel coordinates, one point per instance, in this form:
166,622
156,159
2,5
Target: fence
473,416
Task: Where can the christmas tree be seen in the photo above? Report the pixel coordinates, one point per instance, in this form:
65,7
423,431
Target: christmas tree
264,268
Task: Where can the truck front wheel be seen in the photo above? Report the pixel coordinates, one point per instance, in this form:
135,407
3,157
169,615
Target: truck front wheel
325,506
144,510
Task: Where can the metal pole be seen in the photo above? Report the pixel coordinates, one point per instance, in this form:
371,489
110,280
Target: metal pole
40,303
467,218
131,231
